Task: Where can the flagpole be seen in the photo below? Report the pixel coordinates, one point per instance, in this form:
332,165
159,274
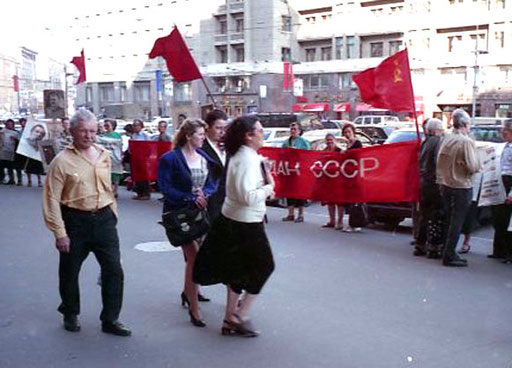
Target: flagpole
413,99
208,92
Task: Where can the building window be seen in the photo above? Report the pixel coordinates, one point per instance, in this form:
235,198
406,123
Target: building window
345,80
123,93
316,82
286,54
351,47
339,47
107,92
500,38
394,47
453,43
287,23
220,84
500,4
326,53
376,49
88,95
454,76
239,25
183,92
142,92
223,26
310,54
506,72
222,54
478,41
311,20
240,54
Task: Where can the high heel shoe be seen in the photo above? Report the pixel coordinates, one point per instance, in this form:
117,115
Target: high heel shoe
196,321
184,300
244,328
202,298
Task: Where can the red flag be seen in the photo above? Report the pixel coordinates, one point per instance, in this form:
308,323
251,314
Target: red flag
289,78
15,83
178,58
144,156
79,62
388,86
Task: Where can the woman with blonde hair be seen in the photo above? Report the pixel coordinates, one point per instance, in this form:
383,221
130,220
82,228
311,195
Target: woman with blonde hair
185,181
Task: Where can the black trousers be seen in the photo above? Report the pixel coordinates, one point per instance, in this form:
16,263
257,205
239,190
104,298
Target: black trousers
142,188
91,232
456,202
6,166
431,207
500,217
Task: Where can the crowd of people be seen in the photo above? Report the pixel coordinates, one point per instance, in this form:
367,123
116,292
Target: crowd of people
215,176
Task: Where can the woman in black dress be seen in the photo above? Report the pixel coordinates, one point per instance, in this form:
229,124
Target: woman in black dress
236,251
349,132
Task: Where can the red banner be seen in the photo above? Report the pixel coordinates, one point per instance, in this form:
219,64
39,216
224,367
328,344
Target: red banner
144,156
384,173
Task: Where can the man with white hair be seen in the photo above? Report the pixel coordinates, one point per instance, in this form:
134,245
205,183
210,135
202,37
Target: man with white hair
457,161
80,209
429,239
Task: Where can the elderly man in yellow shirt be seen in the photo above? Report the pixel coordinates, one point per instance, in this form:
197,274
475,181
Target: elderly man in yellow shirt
80,209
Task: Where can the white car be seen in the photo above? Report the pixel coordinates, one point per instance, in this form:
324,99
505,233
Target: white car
270,134
376,119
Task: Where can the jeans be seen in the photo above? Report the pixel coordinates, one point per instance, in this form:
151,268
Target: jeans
456,202
91,232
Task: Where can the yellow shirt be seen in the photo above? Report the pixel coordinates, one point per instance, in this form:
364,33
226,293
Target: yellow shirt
74,181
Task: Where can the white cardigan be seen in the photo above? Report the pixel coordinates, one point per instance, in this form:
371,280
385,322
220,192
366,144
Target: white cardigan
246,191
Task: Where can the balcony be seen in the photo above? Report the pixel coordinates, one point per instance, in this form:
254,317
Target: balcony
221,10
236,7
221,39
236,38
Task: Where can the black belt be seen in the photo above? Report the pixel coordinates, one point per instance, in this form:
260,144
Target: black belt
82,212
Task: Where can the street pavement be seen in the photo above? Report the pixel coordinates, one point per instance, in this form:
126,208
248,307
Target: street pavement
356,300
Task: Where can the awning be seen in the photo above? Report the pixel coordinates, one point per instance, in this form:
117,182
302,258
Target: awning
366,107
301,99
298,107
342,107
316,107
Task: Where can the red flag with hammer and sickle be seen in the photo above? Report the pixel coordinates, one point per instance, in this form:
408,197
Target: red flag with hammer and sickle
388,86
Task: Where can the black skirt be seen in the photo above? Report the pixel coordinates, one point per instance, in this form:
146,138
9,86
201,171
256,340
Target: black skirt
235,253
34,167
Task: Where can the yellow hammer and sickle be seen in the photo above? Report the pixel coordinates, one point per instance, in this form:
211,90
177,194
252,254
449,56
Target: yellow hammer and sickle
397,75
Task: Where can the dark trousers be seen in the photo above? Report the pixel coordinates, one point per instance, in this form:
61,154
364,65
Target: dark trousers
430,208
500,218
6,165
142,188
456,205
91,233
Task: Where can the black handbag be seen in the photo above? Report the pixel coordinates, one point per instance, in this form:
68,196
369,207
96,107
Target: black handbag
185,224
358,215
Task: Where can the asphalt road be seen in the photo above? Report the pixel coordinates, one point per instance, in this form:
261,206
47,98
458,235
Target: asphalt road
335,300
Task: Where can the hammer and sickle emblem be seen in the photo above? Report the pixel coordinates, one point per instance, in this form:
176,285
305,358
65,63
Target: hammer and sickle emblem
397,75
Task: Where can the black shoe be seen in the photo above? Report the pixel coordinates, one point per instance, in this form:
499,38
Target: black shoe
244,328
419,252
455,263
115,328
184,300
507,261
71,323
196,321
432,254
202,298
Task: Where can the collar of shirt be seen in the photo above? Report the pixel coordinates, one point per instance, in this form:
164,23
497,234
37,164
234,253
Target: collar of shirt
221,154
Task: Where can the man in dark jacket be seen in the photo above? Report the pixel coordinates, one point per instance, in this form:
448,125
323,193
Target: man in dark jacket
214,146
430,217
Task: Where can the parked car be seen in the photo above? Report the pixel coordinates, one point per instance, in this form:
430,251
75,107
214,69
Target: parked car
378,133
283,120
318,144
270,134
393,213
375,119
486,133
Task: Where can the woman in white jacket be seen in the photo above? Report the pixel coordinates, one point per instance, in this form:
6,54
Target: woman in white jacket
236,251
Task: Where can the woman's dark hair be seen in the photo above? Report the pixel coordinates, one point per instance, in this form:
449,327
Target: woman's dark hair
187,128
348,126
112,122
128,128
213,116
138,121
235,135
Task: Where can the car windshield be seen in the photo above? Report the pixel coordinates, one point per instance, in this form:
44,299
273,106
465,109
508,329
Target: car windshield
403,136
486,134
266,134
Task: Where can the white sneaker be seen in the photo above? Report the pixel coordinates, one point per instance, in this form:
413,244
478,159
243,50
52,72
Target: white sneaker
347,229
357,229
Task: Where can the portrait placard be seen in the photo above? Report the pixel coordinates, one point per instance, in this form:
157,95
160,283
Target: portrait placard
54,104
